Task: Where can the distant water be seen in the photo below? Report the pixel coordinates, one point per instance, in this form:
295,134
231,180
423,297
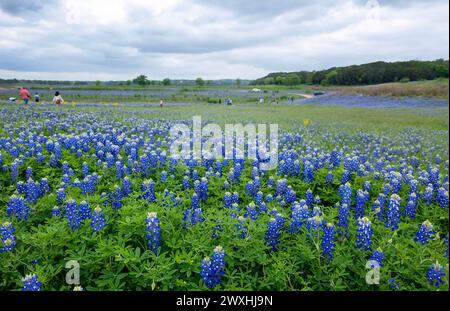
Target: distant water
334,99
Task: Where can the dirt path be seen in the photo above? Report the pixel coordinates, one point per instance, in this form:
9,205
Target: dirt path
303,95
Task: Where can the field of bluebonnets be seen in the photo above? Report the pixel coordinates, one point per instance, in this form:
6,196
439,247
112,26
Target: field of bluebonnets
356,192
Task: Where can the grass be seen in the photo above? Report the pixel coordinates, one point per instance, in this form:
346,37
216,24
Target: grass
289,116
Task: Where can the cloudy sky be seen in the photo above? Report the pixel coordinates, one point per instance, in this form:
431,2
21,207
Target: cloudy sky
118,39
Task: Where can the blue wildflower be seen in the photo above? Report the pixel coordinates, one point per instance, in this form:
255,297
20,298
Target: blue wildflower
8,239
213,268
153,233
328,239
425,233
378,256
435,274
18,207
364,233
393,212
98,220
273,233
31,283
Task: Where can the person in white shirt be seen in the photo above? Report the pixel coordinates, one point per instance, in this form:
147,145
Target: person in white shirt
58,100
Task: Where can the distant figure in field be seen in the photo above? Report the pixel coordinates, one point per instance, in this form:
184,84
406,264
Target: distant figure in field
161,103
25,95
58,100
36,98
261,100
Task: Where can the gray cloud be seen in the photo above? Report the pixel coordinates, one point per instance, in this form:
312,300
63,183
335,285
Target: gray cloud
118,39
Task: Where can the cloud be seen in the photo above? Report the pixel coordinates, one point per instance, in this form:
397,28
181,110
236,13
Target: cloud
115,39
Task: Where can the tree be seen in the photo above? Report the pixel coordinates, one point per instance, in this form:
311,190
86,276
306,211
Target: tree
128,82
199,82
141,80
166,81
238,82
97,83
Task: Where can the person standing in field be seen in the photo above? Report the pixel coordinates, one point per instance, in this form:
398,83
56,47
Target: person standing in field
161,103
25,95
36,98
57,99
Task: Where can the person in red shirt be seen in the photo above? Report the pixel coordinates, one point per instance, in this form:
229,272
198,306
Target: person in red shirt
25,94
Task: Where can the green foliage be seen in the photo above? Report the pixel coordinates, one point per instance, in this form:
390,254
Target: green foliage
199,82
371,73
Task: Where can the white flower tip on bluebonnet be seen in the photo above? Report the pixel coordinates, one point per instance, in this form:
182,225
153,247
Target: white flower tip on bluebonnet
152,215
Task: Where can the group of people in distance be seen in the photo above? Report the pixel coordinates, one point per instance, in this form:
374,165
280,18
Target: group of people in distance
25,94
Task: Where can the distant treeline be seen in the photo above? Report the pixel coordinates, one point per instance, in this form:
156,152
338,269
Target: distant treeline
371,73
174,82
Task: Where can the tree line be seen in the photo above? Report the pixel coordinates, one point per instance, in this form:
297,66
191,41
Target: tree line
371,73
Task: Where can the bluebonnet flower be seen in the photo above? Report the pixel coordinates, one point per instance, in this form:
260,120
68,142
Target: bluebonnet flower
309,198
346,177
235,197
116,197
346,193
313,224
425,233
378,256
29,173
186,183
328,239
251,211
393,284
343,221
73,215
98,220
329,177
435,274
60,195
31,283
14,170
428,194
33,191
213,268
153,233
367,186
18,207
21,187
361,198
259,197
269,198
163,176
119,169
227,200
241,229
127,186
411,206
364,233
271,182
193,216
203,189
216,230
44,186
308,172
56,212
290,196
85,169
148,191
281,187
442,197
8,239
273,233
195,201
226,184
393,213
249,190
